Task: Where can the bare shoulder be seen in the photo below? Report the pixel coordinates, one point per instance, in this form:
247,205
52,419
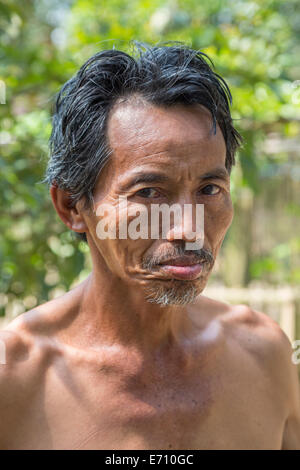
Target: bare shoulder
22,351
31,339
43,321
258,333
275,355
32,336
255,333
265,344
18,366
267,353
27,349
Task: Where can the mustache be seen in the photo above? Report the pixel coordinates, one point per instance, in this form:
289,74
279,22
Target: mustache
202,255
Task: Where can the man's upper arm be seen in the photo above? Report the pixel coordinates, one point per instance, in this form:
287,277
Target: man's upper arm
13,355
276,353
291,435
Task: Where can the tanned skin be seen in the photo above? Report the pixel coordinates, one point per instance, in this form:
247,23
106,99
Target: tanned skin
102,368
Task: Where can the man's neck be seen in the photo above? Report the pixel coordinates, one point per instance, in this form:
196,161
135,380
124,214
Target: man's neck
111,312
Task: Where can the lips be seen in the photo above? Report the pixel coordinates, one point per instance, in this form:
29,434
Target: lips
186,268
181,261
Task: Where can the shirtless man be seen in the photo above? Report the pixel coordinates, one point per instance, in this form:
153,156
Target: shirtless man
135,357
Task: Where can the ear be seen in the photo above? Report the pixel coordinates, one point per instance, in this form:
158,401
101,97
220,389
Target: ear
71,216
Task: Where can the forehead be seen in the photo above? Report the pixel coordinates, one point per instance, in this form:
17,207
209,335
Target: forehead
141,134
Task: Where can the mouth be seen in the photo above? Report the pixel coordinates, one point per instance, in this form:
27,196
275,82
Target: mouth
185,268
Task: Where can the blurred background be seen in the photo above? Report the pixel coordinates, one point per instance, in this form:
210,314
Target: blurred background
255,46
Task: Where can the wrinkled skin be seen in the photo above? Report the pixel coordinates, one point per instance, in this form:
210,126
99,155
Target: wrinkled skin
141,145
102,367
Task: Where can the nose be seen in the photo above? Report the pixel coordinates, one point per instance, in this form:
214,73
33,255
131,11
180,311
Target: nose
188,223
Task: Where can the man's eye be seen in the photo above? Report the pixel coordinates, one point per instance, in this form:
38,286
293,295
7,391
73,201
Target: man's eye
147,193
211,189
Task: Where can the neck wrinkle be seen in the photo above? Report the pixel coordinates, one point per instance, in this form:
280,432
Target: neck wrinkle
127,319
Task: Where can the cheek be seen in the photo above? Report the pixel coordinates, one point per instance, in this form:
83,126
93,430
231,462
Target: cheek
218,218
120,249
227,213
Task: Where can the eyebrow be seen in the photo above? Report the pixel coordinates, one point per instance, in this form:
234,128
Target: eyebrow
216,173
146,178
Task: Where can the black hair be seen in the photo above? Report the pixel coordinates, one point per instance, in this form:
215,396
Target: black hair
163,75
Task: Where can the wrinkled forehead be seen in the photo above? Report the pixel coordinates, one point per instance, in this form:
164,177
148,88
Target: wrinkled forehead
140,133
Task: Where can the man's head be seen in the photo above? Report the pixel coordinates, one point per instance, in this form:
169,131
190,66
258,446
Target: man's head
155,129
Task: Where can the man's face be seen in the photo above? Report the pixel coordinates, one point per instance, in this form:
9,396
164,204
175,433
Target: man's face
162,156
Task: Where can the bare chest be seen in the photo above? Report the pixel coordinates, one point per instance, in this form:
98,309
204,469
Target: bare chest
212,409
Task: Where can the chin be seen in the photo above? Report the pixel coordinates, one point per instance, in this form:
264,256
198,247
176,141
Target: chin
174,292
